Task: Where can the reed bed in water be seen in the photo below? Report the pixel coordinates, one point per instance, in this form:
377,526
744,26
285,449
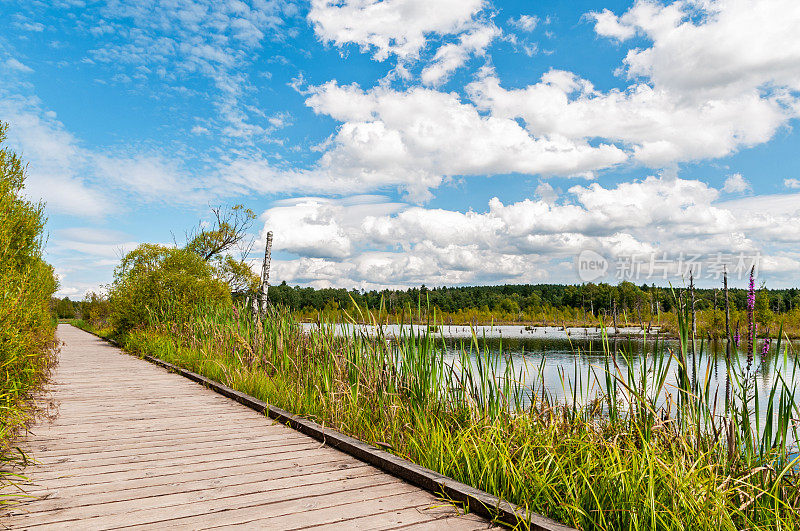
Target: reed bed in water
628,450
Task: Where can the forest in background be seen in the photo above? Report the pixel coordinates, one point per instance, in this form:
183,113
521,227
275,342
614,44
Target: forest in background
625,304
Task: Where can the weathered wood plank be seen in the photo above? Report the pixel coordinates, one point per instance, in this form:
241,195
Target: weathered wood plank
160,502
299,466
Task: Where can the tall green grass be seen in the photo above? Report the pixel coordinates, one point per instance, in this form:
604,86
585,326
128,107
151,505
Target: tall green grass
628,450
27,342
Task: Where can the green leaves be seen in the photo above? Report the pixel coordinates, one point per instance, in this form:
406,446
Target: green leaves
26,285
154,283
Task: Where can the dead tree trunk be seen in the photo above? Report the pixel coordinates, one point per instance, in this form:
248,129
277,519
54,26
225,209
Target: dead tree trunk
263,292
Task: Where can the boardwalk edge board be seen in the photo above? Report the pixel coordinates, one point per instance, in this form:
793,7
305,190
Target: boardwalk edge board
478,501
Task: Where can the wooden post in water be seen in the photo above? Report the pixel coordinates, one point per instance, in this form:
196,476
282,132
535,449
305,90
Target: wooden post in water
728,340
614,314
694,327
263,292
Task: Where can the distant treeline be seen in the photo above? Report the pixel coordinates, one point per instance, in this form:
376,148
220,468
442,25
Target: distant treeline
593,298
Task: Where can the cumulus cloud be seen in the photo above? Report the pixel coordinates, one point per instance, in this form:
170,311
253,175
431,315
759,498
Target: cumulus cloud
736,184
451,56
390,27
792,183
524,241
562,125
607,24
657,126
417,137
715,48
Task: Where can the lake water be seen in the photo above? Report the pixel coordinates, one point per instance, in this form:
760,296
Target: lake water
550,357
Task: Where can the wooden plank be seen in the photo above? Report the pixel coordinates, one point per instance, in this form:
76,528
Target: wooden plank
437,516
122,502
56,446
117,476
162,462
207,503
47,451
176,450
299,466
304,513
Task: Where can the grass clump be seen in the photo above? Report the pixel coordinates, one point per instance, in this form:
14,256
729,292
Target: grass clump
627,451
27,328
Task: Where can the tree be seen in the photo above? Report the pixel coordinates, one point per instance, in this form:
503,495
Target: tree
95,309
64,308
27,284
226,234
158,283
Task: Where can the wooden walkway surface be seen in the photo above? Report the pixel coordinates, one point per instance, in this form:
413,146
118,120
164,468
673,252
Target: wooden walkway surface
136,446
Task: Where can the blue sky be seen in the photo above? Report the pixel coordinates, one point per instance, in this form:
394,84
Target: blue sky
401,142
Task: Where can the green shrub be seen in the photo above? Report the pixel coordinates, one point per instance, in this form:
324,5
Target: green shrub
154,283
63,308
95,309
27,283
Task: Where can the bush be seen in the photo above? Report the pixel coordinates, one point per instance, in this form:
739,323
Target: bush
95,310
27,283
63,308
154,283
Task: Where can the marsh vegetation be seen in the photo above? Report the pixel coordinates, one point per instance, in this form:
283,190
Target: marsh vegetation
637,441
27,328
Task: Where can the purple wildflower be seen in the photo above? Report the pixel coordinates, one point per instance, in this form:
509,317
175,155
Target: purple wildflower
751,330
736,337
765,347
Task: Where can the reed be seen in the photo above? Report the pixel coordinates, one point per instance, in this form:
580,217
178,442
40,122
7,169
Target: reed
27,343
627,450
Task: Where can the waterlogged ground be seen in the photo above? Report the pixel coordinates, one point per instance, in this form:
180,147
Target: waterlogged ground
561,361
493,332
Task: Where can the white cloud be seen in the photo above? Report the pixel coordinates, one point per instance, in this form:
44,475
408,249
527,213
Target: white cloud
546,192
36,27
343,243
415,138
659,126
149,178
320,227
451,56
83,258
736,184
792,183
718,48
92,183
524,22
390,27
14,64
173,42
55,159
607,24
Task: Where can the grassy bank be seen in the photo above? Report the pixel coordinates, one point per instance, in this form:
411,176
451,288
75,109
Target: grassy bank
618,462
27,342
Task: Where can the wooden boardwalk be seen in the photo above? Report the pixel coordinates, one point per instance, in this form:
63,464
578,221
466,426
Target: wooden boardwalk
136,446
